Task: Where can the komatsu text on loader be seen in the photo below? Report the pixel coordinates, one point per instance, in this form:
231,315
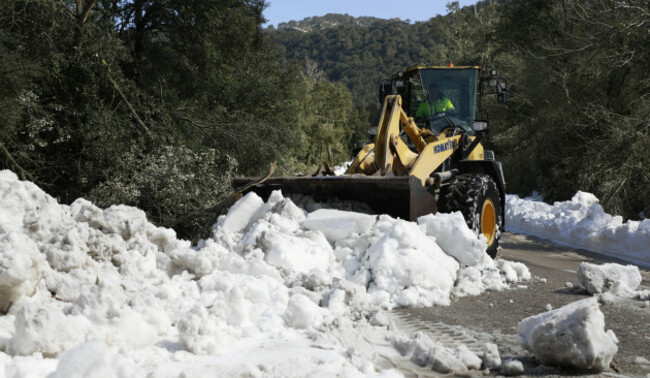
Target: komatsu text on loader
422,162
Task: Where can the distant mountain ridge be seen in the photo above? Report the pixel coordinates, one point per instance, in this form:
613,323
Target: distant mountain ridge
359,52
330,20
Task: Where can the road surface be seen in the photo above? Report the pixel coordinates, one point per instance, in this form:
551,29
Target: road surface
494,315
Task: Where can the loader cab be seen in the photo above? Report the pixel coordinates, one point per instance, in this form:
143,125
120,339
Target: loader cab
463,86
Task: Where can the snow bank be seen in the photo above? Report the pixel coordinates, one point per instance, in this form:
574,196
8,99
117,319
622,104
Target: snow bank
609,278
573,336
581,223
276,291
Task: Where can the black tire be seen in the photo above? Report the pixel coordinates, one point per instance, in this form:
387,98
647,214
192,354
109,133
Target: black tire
476,196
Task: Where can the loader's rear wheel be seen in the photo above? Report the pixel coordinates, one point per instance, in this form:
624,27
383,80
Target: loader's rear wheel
476,196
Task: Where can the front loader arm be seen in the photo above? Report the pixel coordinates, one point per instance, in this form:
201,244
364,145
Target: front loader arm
390,155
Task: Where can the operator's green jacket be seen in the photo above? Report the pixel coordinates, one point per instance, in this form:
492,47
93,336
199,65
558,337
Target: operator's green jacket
429,108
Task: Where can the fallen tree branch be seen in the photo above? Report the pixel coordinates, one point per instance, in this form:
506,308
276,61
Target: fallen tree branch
24,175
131,108
224,203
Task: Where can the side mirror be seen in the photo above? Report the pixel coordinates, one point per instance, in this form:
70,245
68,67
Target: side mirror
502,90
385,89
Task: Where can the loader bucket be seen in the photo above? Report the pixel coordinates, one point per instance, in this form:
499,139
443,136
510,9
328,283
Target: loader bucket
400,197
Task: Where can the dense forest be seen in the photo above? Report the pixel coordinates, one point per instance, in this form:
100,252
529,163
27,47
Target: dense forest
158,103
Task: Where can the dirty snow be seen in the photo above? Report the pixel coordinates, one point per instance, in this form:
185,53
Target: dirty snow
512,367
611,278
581,223
276,291
423,351
571,336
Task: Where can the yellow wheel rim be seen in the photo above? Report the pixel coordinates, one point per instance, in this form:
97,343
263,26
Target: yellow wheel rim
489,221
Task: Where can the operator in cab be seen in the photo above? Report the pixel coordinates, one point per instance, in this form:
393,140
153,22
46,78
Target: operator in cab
435,103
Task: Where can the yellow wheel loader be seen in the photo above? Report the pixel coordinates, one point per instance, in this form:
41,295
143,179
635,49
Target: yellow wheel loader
422,161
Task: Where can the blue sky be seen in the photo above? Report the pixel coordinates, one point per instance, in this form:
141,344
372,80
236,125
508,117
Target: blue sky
415,10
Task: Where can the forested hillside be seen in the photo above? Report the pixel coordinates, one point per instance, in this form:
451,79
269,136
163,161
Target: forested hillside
579,75
359,52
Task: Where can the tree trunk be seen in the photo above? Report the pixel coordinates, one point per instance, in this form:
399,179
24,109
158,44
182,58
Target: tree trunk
83,11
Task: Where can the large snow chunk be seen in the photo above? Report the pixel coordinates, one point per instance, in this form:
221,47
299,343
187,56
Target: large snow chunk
300,253
243,213
411,267
19,268
454,237
573,335
490,356
614,278
337,224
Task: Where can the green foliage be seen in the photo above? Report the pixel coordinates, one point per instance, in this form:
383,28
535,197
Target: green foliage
578,73
167,181
153,103
330,123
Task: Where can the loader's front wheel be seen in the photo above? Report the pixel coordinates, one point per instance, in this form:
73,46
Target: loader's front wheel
476,196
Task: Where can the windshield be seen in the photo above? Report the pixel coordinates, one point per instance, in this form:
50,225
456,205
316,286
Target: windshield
440,93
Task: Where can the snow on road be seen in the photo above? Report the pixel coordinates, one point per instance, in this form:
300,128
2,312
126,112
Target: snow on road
276,291
581,223
575,335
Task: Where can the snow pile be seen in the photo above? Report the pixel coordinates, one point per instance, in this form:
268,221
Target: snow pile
581,223
609,278
572,336
406,268
276,291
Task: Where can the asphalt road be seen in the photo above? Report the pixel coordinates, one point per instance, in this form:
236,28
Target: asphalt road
493,316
